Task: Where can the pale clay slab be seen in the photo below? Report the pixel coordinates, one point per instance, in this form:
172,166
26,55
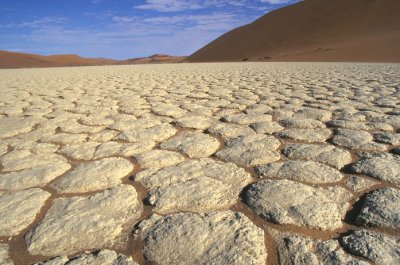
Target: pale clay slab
104,216
94,175
194,144
18,209
207,238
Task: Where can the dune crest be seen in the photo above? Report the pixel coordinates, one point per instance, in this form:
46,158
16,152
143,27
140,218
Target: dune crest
26,60
314,30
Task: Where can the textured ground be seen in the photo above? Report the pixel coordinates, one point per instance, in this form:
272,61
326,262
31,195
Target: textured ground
201,164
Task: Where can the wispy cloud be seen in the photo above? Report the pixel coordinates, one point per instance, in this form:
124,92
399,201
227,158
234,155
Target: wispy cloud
44,22
99,15
191,21
276,2
176,27
130,36
170,5
182,5
7,9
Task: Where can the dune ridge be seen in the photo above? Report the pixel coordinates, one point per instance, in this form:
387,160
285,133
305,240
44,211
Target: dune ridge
314,30
26,60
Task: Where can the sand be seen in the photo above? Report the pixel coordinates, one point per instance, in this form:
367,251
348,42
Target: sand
314,31
9,60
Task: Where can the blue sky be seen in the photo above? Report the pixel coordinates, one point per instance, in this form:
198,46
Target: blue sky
122,29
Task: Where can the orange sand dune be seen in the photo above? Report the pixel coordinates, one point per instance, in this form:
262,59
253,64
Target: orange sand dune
314,30
24,60
156,58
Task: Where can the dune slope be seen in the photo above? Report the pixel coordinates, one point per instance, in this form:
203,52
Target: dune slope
25,60
155,58
314,30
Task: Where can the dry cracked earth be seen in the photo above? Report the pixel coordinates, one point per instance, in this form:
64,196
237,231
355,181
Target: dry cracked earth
255,163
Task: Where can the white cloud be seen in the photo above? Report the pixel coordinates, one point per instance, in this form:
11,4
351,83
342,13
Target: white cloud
122,35
9,25
124,19
182,5
44,22
170,5
219,17
275,2
99,15
132,36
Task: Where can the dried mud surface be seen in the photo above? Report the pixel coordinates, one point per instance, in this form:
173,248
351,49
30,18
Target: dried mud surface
235,163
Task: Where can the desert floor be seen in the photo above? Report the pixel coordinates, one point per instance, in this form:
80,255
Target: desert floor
248,163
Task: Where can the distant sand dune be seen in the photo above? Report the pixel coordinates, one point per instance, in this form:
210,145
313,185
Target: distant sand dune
22,60
156,58
25,60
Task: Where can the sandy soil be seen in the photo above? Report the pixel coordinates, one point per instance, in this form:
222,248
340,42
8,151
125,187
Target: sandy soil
314,30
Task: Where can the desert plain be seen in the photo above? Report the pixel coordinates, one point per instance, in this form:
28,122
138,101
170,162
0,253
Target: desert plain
222,163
